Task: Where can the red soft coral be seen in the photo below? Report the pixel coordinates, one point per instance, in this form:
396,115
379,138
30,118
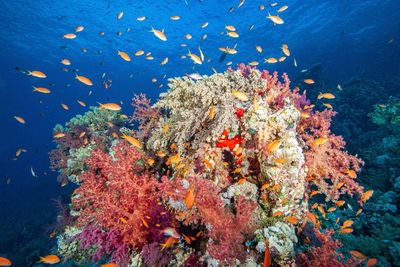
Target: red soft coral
115,194
145,115
227,228
325,254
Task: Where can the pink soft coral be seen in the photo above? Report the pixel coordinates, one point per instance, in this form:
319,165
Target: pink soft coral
328,163
227,228
116,194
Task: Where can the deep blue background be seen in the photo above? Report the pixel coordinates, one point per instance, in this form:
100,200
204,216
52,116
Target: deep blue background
348,38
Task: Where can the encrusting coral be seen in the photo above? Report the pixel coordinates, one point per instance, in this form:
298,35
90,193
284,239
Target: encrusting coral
218,168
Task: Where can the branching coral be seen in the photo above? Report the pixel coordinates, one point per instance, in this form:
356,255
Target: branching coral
217,167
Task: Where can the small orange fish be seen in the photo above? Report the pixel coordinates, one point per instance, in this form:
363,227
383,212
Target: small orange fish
358,212
277,213
270,60
159,34
313,193
168,243
325,95
279,160
133,141
273,146
66,62
331,209
276,187
345,231
371,262
264,186
314,206
311,217
352,174
339,185
328,105
319,141
49,259
321,209
145,223
173,159
367,195
292,219
358,254
84,80
267,255
109,265
81,103
139,53
309,81
124,55
5,262
347,224
189,199
59,135
20,119
79,28
275,19
82,134
340,203
41,90
337,220
212,112
241,181
164,61
69,36
110,106
36,73
64,106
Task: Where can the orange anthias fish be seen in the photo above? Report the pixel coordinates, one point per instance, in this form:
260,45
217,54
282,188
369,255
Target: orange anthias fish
168,243
352,174
124,55
312,217
326,95
267,255
347,224
340,203
159,34
20,119
41,90
36,73
309,81
49,259
5,262
189,199
371,262
109,265
110,106
357,254
84,80
319,141
367,195
133,141
273,146
345,231
292,220
275,19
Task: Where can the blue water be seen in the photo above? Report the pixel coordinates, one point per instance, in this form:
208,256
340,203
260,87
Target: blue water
347,38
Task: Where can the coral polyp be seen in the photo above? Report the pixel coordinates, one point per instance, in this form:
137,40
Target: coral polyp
226,166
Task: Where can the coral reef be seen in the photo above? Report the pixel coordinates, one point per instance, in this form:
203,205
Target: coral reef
216,167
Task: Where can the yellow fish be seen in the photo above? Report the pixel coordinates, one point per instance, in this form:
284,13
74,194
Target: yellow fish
230,28
259,49
282,8
81,103
64,106
273,146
